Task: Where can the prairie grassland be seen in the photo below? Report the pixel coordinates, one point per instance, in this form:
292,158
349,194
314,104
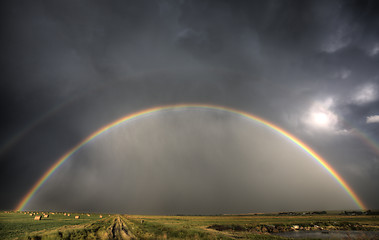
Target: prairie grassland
17,224
166,227
241,227
58,226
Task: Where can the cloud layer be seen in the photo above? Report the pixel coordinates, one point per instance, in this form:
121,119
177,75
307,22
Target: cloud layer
308,66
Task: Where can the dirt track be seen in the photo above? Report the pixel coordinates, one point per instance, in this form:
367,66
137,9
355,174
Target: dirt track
112,228
119,230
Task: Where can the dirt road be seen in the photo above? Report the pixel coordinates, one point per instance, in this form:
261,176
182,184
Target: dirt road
119,230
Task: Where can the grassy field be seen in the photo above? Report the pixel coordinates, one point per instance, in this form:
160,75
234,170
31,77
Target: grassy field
13,225
16,225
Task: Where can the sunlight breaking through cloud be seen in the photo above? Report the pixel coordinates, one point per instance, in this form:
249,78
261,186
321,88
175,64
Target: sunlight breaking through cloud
321,117
372,119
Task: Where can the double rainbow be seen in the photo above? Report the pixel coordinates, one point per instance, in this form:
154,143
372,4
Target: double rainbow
145,112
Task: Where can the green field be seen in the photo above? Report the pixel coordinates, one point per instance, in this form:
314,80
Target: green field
20,225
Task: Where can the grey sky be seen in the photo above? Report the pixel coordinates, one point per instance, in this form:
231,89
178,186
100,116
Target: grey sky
69,68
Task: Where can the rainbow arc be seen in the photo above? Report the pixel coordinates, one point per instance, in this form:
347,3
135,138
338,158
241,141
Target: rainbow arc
21,205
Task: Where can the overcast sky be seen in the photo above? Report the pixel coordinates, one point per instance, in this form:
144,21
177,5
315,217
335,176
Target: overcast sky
71,67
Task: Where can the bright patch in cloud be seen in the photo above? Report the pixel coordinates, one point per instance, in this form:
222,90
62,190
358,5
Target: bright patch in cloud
337,40
319,116
345,73
342,73
365,94
375,50
372,119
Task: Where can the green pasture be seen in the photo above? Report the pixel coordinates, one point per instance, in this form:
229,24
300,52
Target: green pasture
17,225
197,227
257,219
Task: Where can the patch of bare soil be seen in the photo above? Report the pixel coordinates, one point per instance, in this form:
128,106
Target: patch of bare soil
119,230
225,233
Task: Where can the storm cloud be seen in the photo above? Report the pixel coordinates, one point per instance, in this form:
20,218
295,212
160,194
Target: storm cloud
71,67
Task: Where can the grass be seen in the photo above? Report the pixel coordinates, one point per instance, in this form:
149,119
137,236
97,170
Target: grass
245,227
156,230
13,225
93,230
22,226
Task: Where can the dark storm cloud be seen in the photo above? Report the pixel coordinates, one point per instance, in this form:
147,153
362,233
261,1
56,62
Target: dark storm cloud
69,68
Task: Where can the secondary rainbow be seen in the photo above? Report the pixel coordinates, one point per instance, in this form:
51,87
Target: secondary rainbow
302,145
370,142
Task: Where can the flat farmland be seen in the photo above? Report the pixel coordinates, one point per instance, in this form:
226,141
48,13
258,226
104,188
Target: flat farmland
21,225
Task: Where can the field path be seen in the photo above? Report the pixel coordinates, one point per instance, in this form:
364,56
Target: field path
224,233
113,227
119,230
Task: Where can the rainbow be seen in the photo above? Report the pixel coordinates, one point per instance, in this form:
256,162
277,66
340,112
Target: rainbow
29,127
295,140
367,140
